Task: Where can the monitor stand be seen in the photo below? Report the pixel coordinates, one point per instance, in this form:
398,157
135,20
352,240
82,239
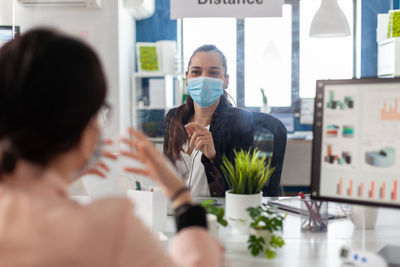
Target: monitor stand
391,254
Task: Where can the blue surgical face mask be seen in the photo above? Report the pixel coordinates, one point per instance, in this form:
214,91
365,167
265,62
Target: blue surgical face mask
95,158
205,91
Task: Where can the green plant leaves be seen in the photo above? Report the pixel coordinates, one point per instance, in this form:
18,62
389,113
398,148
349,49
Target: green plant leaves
256,244
276,241
270,254
254,213
265,219
217,211
248,174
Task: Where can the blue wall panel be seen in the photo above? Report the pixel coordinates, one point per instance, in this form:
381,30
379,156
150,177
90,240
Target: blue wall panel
157,27
396,4
370,9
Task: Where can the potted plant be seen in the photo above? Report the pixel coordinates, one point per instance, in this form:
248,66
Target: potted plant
215,216
264,108
265,222
219,212
246,176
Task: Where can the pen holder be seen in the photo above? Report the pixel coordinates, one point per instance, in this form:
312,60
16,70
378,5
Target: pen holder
314,216
151,207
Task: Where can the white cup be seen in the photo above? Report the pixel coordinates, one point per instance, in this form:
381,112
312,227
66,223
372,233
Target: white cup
212,225
151,207
370,215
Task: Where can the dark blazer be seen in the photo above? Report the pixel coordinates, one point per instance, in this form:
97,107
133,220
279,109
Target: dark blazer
231,128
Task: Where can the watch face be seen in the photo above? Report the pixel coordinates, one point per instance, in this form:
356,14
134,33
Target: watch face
188,215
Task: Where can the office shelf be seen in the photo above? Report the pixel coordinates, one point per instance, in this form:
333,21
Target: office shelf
157,90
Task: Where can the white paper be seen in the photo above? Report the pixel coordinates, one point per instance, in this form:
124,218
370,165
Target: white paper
157,93
150,207
307,111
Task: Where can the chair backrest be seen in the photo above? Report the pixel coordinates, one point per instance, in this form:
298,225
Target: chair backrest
270,136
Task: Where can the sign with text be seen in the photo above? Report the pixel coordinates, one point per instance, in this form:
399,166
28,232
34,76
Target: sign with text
225,8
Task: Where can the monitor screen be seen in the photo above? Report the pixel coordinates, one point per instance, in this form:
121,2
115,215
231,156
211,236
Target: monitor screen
356,146
6,34
287,119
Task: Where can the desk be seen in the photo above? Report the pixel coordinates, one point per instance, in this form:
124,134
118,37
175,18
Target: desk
307,249
311,249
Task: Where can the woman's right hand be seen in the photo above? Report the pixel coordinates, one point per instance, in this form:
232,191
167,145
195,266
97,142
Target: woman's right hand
157,167
101,169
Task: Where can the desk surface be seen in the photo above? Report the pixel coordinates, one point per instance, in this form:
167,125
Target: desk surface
308,249
312,249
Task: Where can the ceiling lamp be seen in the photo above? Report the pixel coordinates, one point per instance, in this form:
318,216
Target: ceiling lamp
329,21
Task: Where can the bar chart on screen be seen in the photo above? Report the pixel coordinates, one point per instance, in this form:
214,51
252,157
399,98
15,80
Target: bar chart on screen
394,192
339,186
357,143
372,190
337,156
382,191
335,102
390,111
350,189
360,190
381,113
368,189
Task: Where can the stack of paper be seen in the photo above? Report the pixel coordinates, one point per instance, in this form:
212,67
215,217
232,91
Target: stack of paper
157,93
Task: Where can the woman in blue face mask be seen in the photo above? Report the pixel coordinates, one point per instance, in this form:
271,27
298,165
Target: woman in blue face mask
207,126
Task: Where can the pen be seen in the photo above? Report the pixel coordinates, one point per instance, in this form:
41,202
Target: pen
138,187
312,213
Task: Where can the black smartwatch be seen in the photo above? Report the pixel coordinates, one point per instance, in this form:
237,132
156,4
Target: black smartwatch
188,215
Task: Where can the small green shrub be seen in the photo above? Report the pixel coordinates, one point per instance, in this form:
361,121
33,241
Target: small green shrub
248,174
217,211
270,220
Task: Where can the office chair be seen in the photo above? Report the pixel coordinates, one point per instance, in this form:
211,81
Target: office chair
270,136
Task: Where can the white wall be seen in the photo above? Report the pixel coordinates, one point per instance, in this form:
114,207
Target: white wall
108,30
126,41
5,12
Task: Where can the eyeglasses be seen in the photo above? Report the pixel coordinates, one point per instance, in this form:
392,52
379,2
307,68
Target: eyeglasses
104,115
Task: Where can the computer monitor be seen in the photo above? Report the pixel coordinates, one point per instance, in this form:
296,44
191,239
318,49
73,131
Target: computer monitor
7,33
356,146
287,119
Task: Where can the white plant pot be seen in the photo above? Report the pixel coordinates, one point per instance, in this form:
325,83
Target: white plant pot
370,216
212,224
265,109
235,210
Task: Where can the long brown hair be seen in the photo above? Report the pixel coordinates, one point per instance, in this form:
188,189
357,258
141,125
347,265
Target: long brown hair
176,130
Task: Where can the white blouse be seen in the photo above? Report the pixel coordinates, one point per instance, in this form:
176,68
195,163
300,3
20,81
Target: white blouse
192,170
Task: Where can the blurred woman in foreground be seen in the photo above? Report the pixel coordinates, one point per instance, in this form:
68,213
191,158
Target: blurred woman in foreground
52,89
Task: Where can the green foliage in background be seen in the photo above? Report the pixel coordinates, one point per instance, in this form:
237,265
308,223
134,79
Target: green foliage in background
248,174
148,58
394,25
217,211
265,219
264,97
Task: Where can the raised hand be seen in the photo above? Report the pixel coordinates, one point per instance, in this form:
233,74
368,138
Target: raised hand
156,166
201,139
100,168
